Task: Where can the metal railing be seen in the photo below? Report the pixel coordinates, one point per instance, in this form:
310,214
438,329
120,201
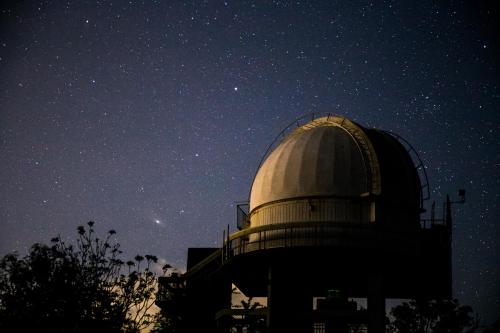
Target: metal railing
315,234
425,189
242,221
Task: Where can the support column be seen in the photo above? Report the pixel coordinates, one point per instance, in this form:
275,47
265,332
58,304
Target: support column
270,300
376,305
289,304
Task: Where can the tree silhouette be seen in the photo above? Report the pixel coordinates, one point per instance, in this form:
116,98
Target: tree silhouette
432,316
249,322
173,299
82,288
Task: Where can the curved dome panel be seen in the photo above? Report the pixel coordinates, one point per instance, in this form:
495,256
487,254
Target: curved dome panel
400,181
328,157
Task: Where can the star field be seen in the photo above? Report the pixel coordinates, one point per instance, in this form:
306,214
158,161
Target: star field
151,117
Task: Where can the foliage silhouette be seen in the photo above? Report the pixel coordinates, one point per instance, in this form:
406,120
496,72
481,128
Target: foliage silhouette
432,316
172,295
82,288
248,322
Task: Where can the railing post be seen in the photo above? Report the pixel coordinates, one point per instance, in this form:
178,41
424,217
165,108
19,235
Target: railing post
315,235
265,239
224,245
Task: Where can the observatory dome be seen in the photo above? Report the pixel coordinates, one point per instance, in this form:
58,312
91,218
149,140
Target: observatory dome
332,169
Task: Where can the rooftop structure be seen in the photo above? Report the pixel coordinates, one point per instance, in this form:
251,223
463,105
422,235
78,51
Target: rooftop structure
334,208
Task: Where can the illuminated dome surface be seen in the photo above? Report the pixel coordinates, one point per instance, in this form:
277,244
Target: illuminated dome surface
341,171
330,156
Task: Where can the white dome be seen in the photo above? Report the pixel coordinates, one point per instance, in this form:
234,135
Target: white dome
327,157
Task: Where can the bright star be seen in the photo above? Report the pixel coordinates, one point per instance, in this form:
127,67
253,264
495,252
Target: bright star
235,88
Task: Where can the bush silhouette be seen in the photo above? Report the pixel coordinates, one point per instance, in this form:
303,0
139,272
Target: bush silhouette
82,288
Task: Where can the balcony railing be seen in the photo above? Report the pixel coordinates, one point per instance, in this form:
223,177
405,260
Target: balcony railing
317,234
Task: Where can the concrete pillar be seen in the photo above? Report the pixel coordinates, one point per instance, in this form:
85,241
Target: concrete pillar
270,300
289,303
376,305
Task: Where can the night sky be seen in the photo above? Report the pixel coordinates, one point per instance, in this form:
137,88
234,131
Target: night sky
150,117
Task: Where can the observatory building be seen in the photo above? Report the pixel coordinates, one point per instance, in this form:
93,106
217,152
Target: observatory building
334,213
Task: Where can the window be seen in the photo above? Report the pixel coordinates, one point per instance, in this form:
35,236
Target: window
319,328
